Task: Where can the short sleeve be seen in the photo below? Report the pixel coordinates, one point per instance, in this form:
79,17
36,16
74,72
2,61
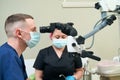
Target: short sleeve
39,62
78,61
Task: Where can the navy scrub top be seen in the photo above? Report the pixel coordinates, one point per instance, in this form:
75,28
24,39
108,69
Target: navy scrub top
53,66
11,65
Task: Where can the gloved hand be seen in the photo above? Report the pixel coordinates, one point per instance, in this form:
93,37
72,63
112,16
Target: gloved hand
70,78
32,77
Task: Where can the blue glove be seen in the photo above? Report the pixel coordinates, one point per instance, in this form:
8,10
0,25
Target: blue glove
70,78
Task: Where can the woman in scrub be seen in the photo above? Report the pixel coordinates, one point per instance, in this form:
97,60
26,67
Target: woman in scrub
55,62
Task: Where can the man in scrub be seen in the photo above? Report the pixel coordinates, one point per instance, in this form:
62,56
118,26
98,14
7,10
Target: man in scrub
21,33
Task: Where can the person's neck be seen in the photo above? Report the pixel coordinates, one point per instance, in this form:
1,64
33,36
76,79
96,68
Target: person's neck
58,51
17,45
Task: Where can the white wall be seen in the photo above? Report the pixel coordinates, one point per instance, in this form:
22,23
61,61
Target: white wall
46,11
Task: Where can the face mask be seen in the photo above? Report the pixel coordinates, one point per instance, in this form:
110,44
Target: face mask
35,38
59,43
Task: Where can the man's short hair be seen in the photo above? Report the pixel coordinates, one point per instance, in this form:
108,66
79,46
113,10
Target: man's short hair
15,18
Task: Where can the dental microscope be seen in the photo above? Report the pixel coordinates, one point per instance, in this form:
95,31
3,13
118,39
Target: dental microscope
76,44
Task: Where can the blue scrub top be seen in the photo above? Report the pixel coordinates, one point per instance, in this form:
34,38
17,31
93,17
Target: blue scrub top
12,66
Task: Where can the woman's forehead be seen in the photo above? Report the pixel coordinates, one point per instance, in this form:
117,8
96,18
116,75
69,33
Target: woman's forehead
58,32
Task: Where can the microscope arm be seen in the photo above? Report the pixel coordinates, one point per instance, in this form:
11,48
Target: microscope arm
104,23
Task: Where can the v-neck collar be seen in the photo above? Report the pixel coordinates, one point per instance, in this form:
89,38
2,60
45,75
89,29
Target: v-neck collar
19,59
63,53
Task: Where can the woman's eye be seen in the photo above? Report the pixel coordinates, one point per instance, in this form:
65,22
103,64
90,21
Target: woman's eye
64,37
57,37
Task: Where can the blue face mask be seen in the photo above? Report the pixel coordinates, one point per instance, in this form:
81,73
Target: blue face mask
59,43
35,38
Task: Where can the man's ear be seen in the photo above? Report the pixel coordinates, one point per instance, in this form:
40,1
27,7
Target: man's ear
18,33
